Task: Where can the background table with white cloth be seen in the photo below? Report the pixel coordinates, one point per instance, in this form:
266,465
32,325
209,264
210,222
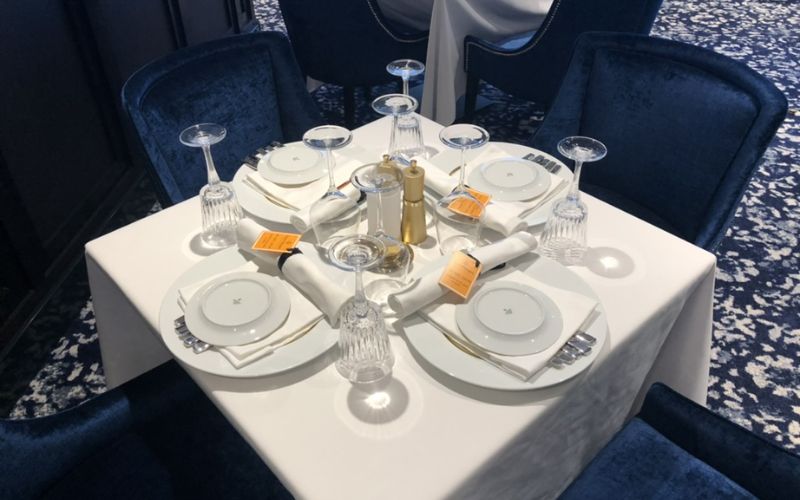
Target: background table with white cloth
450,22
444,438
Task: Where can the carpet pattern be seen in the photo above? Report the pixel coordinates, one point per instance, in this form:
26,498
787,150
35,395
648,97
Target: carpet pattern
755,372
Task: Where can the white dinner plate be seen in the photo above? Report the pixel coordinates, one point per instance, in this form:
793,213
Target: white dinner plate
293,164
310,346
237,308
434,347
263,210
509,318
449,159
510,179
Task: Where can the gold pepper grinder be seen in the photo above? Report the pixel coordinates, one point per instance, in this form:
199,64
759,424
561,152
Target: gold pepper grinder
412,226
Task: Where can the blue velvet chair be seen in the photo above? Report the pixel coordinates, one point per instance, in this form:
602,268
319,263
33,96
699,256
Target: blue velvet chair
676,449
685,128
249,83
531,65
155,437
348,43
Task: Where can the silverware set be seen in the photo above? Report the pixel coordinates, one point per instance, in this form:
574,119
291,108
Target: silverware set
551,166
252,160
579,345
189,340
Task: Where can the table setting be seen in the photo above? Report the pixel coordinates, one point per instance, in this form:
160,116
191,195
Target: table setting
268,300
342,323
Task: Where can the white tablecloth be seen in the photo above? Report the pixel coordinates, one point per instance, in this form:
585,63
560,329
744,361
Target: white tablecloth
448,439
450,22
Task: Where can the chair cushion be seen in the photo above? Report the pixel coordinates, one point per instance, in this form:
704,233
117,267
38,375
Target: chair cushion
641,463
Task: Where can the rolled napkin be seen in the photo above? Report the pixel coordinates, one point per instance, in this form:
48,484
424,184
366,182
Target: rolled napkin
427,289
575,310
298,270
302,196
502,216
301,219
302,318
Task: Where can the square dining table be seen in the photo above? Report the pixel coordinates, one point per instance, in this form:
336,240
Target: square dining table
443,438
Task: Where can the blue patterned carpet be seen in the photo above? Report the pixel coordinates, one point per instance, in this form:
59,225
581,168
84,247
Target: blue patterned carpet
755,374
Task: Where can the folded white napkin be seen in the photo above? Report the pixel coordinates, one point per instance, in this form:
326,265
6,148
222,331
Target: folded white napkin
298,270
427,289
574,308
302,317
301,220
304,195
502,216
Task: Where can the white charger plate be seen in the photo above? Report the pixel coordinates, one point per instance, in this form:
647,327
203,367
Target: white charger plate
434,347
510,318
449,159
510,179
310,346
293,164
237,308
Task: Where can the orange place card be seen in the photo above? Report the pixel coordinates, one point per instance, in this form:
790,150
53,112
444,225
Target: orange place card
460,274
466,206
269,241
480,196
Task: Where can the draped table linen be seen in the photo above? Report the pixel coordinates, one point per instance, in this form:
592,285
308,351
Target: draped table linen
435,437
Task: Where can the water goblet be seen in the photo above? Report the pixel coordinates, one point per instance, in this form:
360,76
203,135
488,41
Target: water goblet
459,215
335,214
220,208
365,354
405,141
564,236
381,181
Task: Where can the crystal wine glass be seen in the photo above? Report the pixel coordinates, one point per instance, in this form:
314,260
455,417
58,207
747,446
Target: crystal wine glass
379,180
335,214
365,354
405,141
405,69
459,215
220,208
564,236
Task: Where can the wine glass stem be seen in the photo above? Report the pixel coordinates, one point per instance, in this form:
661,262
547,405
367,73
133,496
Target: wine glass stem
461,170
331,164
393,136
574,194
405,84
360,299
213,178
379,215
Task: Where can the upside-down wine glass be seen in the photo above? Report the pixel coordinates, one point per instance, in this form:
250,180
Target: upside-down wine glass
405,141
219,207
564,236
378,180
365,354
405,69
459,215
335,214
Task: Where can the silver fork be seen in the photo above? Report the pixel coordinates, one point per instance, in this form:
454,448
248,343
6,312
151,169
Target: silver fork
188,339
